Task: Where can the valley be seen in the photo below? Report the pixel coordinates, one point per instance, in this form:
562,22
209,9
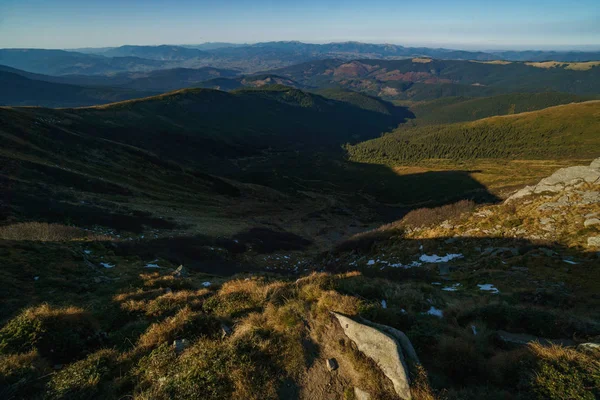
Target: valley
196,222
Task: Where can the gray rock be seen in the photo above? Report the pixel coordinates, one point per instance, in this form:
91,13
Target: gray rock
180,272
225,331
360,394
593,241
332,364
180,345
591,215
381,348
562,179
592,348
591,222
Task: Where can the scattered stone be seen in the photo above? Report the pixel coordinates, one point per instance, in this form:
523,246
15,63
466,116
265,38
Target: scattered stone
591,222
332,364
180,345
381,348
360,394
593,241
225,331
180,272
446,225
591,215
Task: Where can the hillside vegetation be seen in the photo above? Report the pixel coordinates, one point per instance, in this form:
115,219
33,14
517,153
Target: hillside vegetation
449,110
567,131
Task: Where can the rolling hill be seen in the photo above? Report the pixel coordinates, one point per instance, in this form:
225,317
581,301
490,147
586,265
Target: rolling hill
449,110
424,78
17,90
565,131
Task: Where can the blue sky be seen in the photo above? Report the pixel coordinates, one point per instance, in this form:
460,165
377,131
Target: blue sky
468,24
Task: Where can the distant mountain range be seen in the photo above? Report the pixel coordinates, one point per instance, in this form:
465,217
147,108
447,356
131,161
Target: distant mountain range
246,58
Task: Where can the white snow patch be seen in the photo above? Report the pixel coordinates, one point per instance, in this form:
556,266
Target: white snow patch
383,304
35,278
87,251
452,288
436,283
571,262
439,259
488,287
474,329
151,266
406,266
371,262
107,265
435,312
206,284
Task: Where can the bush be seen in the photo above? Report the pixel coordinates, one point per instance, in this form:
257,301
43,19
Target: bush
84,379
19,375
59,334
560,373
432,216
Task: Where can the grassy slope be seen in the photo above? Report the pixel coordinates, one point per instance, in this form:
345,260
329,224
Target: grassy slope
18,90
459,109
567,131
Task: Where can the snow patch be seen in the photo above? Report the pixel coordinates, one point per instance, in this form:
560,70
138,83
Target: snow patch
371,262
571,262
435,312
206,284
87,251
383,304
474,329
451,288
107,265
151,266
488,287
439,259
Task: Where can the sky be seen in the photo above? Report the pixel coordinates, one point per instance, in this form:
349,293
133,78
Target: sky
461,24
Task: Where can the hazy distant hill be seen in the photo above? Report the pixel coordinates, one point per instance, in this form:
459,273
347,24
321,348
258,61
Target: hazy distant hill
249,58
422,79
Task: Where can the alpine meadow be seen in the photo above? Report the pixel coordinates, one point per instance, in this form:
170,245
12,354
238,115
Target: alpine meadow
316,201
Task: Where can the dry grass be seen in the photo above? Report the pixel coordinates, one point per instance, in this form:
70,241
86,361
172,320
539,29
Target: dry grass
575,66
41,231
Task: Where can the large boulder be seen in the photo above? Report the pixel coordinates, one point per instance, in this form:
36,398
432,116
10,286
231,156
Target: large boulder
562,179
382,348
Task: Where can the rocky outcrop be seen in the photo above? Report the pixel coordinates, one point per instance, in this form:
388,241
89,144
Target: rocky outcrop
563,179
382,348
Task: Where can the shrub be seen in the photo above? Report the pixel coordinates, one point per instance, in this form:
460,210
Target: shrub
44,232
84,379
19,375
432,216
561,373
59,334
185,324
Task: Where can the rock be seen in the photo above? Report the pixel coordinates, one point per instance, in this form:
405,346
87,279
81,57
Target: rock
593,241
446,225
591,348
546,221
591,215
180,272
591,222
562,179
168,290
523,339
382,348
180,345
360,394
407,348
225,331
332,364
